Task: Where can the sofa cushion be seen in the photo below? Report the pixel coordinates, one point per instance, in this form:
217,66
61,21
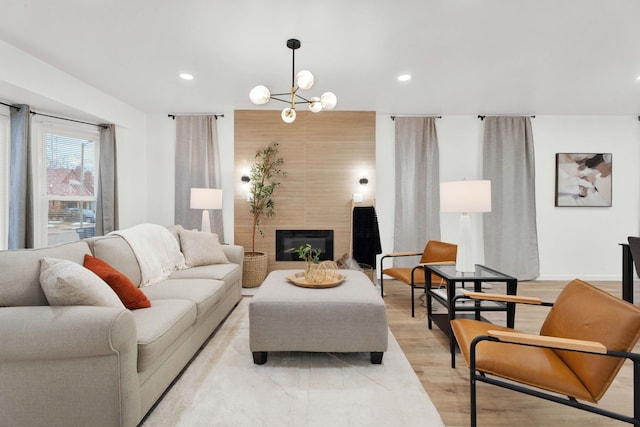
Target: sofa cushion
205,293
160,325
201,248
20,272
68,283
129,294
116,252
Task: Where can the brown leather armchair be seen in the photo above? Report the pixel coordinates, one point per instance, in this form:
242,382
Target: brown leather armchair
582,345
435,252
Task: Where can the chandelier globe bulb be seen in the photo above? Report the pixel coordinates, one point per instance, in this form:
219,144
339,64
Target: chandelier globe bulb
259,95
315,105
288,115
328,100
305,79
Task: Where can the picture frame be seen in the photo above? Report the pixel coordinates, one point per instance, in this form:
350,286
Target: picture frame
583,180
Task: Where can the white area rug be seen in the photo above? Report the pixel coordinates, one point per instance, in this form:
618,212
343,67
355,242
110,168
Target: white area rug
223,387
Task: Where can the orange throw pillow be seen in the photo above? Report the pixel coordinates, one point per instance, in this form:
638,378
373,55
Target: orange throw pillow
129,294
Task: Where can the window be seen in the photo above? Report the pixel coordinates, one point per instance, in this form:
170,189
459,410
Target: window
65,175
4,176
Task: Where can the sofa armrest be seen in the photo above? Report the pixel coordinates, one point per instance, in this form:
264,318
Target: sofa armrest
45,332
234,253
73,365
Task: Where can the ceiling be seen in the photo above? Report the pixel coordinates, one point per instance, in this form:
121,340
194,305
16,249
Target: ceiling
465,56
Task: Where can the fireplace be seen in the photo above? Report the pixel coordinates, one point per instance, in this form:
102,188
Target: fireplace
286,239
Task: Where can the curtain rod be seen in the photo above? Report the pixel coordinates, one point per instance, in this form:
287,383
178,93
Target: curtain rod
10,106
173,116
482,117
437,117
69,120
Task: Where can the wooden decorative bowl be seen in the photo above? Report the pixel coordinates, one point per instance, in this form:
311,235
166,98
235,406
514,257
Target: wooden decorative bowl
298,279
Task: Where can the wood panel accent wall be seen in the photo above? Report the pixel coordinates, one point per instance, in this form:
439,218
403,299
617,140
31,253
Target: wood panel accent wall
325,155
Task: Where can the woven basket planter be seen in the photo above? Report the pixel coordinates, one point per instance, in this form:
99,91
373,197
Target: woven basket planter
254,269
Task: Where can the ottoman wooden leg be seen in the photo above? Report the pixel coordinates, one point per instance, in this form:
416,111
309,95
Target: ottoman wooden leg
260,357
376,357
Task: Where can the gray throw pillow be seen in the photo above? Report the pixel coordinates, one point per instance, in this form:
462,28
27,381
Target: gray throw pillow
67,283
201,248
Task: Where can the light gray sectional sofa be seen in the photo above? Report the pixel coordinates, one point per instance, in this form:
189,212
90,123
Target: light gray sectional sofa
102,366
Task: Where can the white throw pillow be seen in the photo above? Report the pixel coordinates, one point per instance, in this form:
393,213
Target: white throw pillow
67,283
201,248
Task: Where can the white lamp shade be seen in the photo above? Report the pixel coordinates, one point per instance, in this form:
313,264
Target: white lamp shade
328,100
465,196
315,105
304,79
288,115
259,95
206,198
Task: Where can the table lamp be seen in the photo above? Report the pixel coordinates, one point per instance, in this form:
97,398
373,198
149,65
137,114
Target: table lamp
205,199
465,197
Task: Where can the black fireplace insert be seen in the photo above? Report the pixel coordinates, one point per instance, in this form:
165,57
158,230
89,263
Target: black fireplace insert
287,239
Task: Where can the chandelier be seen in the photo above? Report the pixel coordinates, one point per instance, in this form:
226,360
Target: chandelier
261,95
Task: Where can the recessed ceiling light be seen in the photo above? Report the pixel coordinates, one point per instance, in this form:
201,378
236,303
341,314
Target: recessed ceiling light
404,77
186,76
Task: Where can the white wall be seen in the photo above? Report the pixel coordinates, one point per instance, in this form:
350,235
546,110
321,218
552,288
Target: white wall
573,242
160,168
583,242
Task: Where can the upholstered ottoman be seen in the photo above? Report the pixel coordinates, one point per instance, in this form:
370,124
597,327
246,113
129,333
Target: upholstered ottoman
350,317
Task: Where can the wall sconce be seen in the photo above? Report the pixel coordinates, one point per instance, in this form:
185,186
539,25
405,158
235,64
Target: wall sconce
245,179
364,181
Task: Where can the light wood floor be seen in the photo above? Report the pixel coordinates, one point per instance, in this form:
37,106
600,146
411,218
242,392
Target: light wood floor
428,352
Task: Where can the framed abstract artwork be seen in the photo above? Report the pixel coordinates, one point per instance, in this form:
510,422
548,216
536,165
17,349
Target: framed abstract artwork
583,179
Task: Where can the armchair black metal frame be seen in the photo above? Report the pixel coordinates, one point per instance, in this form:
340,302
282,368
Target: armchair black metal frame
435,252
568,360
413,272
476,376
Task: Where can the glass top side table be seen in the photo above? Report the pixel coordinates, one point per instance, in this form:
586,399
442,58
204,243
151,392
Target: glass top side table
451,276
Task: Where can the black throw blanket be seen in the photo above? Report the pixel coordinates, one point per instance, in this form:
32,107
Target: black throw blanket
366,236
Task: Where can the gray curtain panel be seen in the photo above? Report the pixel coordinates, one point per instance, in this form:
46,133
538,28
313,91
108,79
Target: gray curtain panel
510,234
197,166
417,210
21,231
107,197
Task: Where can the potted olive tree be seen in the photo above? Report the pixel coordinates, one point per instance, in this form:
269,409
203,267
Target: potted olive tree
265,174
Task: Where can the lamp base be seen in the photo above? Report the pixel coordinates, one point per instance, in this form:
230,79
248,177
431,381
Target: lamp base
464,257
206,224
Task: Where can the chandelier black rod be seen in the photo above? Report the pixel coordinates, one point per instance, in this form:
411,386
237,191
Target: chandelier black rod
281,100
293,67
286,101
